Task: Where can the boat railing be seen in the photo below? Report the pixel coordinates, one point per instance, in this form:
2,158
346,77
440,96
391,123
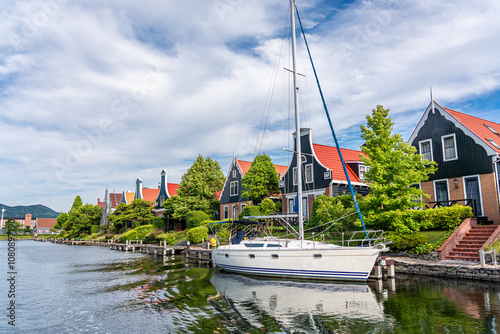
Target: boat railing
370,238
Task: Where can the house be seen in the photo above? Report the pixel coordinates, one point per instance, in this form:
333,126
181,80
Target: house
44,225
466,149
322,173
28,220
231,200
166,191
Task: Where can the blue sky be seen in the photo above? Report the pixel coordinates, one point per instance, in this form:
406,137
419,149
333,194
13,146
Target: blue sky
95,94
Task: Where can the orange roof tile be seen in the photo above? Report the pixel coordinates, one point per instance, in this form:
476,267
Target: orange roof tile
45,222
150,194
172,189
115,199
329,157
245,167
129,197
478,127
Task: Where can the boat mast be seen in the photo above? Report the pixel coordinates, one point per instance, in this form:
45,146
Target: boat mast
297,123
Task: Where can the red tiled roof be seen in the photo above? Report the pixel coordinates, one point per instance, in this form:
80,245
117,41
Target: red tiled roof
477,126
45,222
329,157
149,194
172,189
115,199
245,167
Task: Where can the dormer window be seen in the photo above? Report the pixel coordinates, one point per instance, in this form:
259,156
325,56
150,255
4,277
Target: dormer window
449,147
234,173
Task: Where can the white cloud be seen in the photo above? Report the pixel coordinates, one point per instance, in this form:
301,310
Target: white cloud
96,94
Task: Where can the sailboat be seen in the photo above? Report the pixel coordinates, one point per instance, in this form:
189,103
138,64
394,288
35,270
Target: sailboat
249,253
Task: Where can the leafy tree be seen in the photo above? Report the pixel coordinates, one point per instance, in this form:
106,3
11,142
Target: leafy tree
27,229
196,218
13,226
139,211
76,203
197,189
61,219
261,180
327,209
394,166
81,218
267,207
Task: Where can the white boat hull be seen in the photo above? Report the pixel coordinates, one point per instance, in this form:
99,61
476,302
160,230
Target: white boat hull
339,263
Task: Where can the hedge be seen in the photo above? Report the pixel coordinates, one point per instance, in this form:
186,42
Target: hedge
137,233
197,234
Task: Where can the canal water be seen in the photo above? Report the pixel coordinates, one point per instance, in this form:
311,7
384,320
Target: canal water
84,289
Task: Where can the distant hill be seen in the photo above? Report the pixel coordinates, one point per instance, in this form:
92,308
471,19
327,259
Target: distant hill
37,211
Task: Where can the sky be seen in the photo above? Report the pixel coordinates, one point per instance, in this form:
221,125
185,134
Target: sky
95,94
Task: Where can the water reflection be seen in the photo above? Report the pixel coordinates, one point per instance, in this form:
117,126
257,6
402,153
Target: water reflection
294,306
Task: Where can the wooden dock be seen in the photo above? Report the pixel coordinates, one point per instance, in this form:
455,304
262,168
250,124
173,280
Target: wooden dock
382,265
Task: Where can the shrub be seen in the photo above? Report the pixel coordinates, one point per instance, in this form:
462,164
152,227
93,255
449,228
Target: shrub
94,229
171,237
249,210
197,234
267,206
329,209
159,223
137,224
450,217
195,218
137,233
405,241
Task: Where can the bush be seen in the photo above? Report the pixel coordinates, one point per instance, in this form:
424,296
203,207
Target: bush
137,224
197,234
195,218
405,241
450,217
137,233
171,237
94,229
267,206
159,223
329,209
250,210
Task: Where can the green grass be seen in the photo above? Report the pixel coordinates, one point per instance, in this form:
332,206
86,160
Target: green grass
432,236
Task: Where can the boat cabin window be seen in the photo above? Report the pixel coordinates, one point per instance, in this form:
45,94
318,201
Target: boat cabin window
251,256
273,245
226,255
274,256
317,256
254,245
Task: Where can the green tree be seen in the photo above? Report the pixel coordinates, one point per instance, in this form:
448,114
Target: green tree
13,226
261,180
267,207
81,218
197,189
139,210
394,166
76,203
61,219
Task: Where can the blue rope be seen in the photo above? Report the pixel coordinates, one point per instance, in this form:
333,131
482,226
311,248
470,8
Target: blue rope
331,127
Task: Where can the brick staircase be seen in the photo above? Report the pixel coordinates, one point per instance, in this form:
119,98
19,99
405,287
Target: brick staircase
467,249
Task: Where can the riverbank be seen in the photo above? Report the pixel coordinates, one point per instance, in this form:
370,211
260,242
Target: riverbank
445,268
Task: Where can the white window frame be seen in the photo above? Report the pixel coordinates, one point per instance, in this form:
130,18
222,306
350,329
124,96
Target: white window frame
454,143
312,175
226,212
233,186
242,206
234,173
295,176
292,202
430,144
234,212
447,188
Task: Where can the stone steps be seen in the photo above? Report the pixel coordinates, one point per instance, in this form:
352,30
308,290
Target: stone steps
468,248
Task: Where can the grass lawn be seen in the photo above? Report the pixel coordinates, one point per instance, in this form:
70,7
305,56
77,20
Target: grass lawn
432,236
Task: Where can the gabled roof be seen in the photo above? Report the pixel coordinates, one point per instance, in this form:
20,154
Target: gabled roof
329,157
480,127
150,194
245,167
473,127
115,199
172,189
46,222
129,197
